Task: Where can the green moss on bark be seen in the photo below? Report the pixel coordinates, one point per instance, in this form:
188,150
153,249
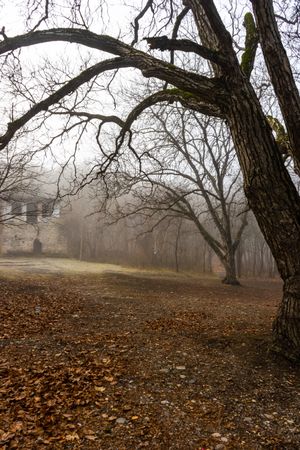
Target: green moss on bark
251,43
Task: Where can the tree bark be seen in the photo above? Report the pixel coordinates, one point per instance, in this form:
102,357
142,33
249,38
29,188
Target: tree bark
286,330
268,186
230,270
275,202
280,72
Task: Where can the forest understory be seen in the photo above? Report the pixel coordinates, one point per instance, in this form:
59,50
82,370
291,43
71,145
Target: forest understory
142,360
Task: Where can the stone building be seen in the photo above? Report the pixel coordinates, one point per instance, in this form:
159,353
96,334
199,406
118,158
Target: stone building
31,225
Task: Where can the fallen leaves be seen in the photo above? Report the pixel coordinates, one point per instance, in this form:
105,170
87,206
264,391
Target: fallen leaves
17,426
136,371
100,388
47,398
71,437
5,437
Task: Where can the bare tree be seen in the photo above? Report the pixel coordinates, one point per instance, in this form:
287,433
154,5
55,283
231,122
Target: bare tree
188,170
227,94
91,235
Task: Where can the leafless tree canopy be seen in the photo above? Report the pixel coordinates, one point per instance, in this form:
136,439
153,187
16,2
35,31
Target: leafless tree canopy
187,169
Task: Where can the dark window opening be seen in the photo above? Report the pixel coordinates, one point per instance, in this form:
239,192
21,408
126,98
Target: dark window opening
16,209
47,209
31,213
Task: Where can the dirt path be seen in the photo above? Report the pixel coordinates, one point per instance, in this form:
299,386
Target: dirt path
136,360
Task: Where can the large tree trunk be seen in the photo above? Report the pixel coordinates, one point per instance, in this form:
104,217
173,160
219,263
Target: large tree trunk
230,269
268,187
286,329
275,202
280,72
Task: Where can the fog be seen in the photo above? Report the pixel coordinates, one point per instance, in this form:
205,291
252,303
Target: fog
174,243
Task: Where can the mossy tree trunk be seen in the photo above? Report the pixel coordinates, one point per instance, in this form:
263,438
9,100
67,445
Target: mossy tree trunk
275,202
268,187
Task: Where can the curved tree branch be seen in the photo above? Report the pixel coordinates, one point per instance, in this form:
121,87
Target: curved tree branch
210,89
202,93
136,23
92,116
185,45
67,89
177,24
178,21
169,96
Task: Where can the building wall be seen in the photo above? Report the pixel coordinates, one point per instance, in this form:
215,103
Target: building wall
17,236
20,238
